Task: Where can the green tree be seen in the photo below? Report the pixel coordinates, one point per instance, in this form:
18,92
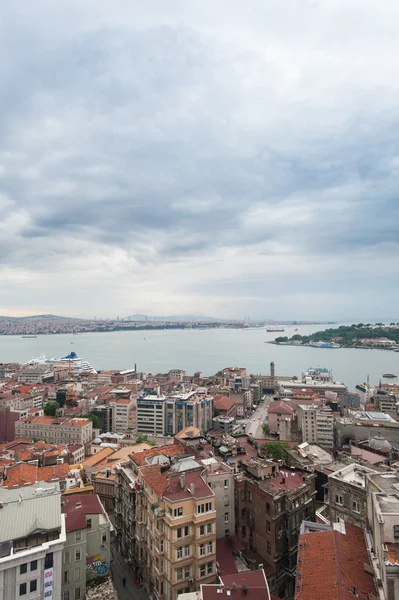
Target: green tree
50,408
266,429
95,419
143,439
280,339
274,450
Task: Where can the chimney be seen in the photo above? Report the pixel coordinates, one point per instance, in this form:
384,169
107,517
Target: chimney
192,488
182,480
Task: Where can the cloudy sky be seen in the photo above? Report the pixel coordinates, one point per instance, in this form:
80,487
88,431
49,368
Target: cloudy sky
224,158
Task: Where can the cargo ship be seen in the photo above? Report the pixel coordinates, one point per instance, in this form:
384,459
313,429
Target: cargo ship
275,329
389,376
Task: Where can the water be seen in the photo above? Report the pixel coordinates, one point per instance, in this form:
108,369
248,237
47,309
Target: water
204,350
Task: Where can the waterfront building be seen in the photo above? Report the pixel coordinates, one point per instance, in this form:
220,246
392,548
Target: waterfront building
32,538
86,554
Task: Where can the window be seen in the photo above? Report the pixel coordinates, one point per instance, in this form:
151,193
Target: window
104,538
202,529
77,555
23,568
178,512
209,528
77,574
209,568
187,550
88,524
202,549
226,517
243,512
202,571
33,565
356,506
226,484
209,547
249,497
65,596
242,494
78,535
203,508
179,532
179,553
161,546
338,499
22,589
186,530
48,561
33,585
268,528
267,508
396,531
66,576
179,574
187,572
77,593
269,548
243,531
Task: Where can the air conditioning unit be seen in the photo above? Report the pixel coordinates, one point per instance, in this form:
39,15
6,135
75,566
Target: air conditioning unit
191,580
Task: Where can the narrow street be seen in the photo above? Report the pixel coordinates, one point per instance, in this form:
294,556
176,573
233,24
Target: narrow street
119,570
255,422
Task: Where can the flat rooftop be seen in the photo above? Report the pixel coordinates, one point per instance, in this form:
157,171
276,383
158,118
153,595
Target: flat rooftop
354,473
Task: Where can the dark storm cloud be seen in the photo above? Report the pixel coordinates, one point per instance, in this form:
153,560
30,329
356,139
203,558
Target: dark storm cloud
168,140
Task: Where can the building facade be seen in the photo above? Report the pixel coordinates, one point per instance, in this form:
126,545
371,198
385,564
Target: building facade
60,430
316,425
347,494
86,555
32,538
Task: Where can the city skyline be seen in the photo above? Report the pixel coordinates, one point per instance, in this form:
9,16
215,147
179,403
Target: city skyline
224,159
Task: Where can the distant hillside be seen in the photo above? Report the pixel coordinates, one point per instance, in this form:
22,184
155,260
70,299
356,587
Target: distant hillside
175,318
40,318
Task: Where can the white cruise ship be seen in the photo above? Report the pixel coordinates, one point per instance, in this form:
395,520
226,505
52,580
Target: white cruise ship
78,365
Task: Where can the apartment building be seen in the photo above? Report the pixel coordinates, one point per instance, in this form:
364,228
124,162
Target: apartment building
161,415
166,521
32,538
86,555
382,535
177,375
271,503
34,374
347,494
121,409
279,419
60,430
220,478
316,425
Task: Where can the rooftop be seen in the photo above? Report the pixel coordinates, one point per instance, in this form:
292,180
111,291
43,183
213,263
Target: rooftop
76,509
332,564
25,511
354,474
140,458
249,584
23,474
280,408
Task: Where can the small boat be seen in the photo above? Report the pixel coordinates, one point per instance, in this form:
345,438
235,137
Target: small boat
389,376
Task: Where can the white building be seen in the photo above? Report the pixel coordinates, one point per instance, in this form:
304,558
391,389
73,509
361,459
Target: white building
34,374
32,537
316,424
150,415
121,413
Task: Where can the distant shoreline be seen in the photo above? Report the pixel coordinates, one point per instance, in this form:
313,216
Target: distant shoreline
362,347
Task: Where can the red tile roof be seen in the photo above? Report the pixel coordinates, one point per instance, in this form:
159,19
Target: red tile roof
280,408
223,402
77,508
168,485
331,565
155,479
255,583
225,547
140,458
23,473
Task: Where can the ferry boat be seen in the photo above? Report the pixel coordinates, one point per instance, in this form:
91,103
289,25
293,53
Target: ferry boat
324,345
275,329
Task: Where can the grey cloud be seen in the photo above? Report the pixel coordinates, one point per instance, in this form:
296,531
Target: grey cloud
158,138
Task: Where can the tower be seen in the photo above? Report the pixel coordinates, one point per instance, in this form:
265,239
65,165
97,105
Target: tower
272,370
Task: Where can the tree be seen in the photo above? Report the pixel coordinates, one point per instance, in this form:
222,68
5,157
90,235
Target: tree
274,450
143,439
266,429
50,408
95,419
280,339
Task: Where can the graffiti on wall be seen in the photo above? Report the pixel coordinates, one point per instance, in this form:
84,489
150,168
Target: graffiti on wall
96,565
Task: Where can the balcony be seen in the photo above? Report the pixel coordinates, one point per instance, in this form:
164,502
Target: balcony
159,513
